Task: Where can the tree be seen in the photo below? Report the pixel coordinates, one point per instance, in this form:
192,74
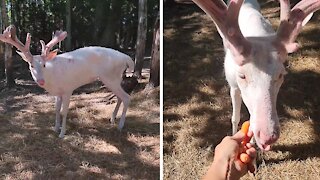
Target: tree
68,25
8,49
141,39
108,23
154,80
2,69
169,2
109,36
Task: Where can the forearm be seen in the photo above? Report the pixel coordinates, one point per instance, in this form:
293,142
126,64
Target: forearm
217,171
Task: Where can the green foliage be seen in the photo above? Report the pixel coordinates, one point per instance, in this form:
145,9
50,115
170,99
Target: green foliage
110,23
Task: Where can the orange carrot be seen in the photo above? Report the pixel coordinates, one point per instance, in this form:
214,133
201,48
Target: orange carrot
245,130
245,158
245,127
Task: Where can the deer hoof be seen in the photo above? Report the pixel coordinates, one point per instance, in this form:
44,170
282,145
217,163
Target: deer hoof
121,124
120,127
112,121
61,135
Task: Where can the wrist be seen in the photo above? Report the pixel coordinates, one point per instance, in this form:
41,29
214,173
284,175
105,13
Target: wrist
218,170
220,166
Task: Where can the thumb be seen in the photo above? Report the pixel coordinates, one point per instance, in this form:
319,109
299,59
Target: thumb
238,136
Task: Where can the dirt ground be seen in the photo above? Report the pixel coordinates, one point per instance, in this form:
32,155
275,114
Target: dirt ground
197,105
92,147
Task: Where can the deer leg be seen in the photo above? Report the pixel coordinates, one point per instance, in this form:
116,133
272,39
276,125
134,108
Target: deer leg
116,88
125,98
64,112
236,107
58,116
116,109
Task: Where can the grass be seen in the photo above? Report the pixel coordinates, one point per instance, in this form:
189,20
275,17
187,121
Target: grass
92,147
197,105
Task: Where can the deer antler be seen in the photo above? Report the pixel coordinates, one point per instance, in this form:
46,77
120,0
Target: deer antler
226,19
293,20
58,37
9,36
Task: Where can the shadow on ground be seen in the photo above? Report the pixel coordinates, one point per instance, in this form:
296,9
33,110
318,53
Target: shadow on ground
92,147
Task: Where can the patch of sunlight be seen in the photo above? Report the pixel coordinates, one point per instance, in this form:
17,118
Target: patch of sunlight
204,31
305,63
2,108
100,146
297,132
296,113
17,136
206,60
92,169
42,98
169,32
207,90
187,17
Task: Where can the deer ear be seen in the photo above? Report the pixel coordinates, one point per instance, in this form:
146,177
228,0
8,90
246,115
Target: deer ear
23,56
52,55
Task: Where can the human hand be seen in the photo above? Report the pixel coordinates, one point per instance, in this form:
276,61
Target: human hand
226,163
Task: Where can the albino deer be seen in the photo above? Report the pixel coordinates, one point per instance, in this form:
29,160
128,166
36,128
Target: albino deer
61,74
254,59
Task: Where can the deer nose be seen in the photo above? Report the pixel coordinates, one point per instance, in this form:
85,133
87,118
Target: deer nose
266,139
41,82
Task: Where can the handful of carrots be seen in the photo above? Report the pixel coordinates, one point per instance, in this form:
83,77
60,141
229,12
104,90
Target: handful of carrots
244,157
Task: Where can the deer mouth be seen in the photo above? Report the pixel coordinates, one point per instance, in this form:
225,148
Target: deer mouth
41,82
264,147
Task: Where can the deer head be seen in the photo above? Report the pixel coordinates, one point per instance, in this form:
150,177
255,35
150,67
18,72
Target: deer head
37,63
258,61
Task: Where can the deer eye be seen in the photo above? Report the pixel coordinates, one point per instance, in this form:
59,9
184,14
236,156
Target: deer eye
44,65
242,76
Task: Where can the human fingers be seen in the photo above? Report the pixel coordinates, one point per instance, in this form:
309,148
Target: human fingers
252,152
238,136
250,134
251,167
249,145
240,167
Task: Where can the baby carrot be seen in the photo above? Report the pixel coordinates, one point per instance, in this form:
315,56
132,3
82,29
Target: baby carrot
245,127
245,158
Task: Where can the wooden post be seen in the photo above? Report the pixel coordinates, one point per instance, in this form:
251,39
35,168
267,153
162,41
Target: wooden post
8,49
141,38
154,80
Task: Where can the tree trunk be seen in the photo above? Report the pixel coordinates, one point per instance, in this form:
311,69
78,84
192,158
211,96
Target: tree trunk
9,66
2,69
68,25
141,39
8,49
100,19
109,36
154,80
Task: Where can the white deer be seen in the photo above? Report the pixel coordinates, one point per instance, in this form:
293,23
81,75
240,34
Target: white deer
61,74
254,59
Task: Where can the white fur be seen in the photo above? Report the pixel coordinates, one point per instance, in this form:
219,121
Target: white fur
263,70
263,67
68,71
